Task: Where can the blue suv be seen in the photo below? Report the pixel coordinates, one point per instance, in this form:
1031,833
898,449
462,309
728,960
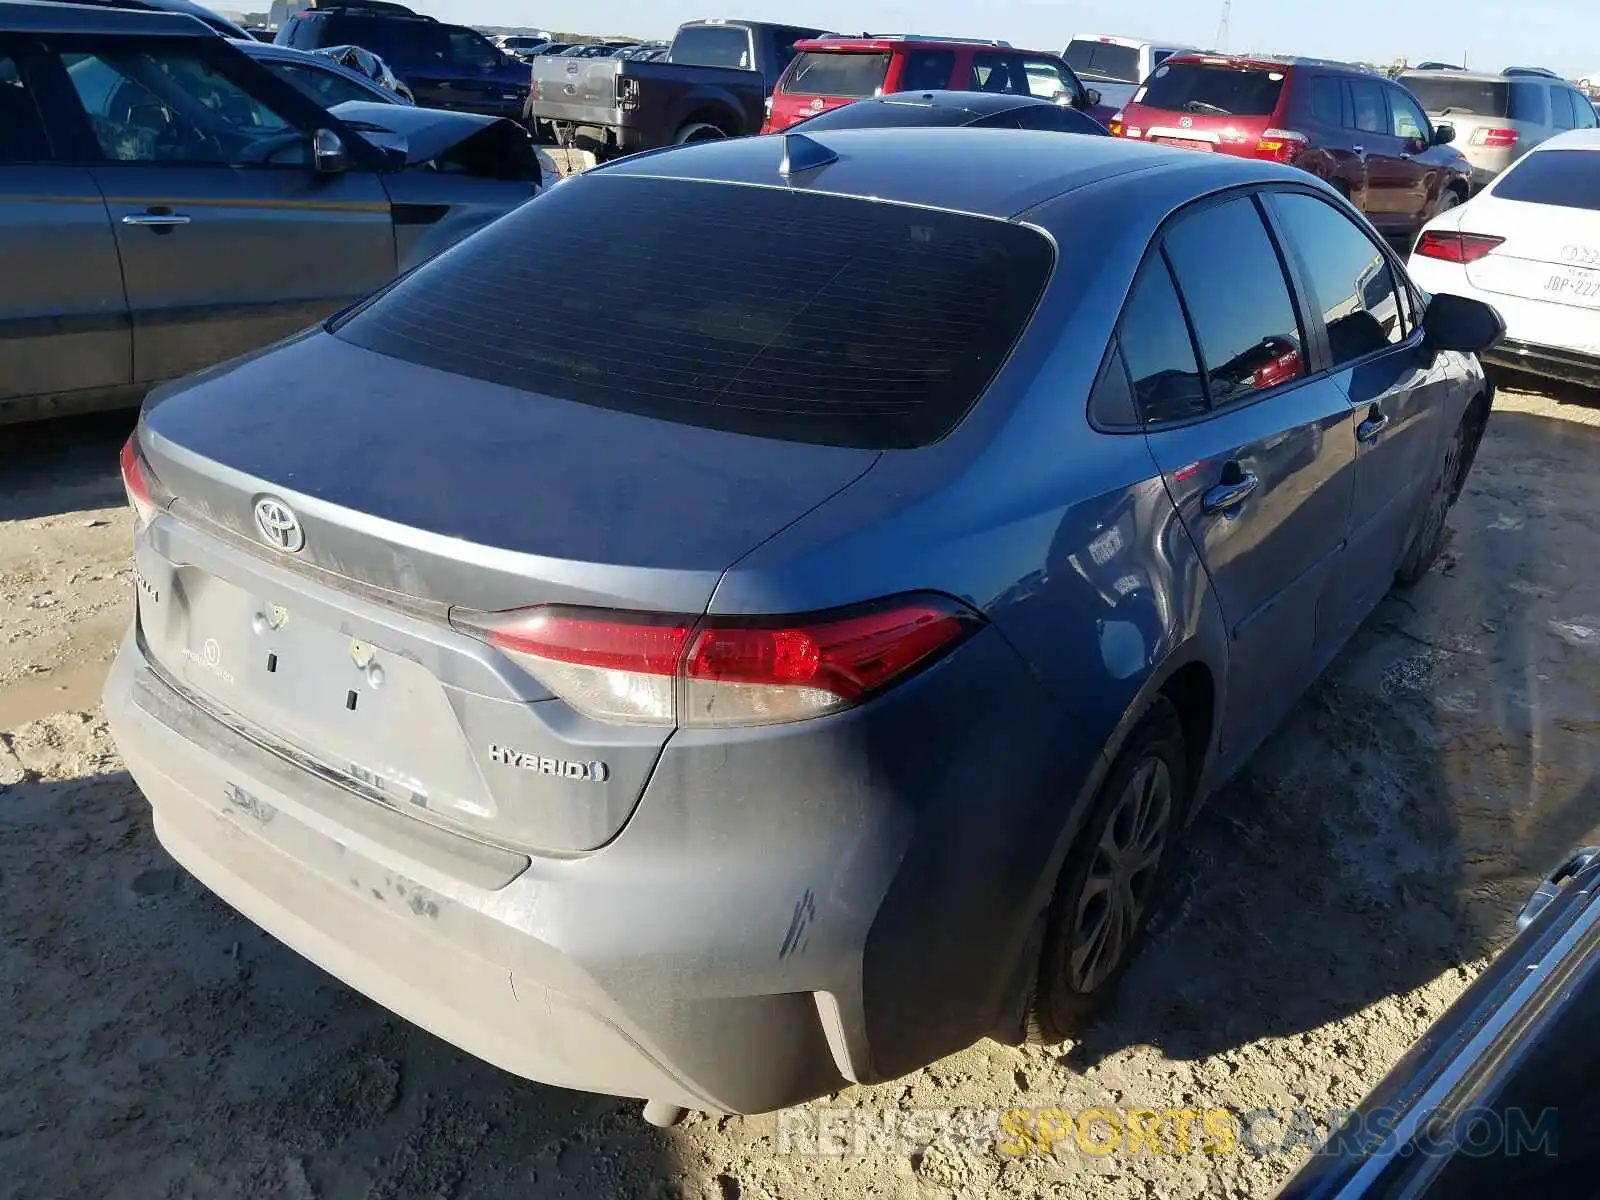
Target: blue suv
445,66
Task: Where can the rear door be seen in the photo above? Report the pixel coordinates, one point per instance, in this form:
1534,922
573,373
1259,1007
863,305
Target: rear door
1363,316
64,325
1389,174
229,239
1332,132
1257,457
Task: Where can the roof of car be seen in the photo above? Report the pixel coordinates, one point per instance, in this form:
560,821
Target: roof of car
1452,73
1268,60
987,172
40,16
1572,139
973,104
884,43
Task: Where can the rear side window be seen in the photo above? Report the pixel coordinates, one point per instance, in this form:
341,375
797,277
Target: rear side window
764,311
22,136
1327,100
832,73
1351,277
1528,103
1564,178
1561,114
1583,111
1366,106
1228,273
1213,90
712,46
927,70
1447,96
1158,350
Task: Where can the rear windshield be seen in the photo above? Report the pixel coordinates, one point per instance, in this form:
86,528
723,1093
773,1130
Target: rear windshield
1102,60
756,310
837,73
877,114
1213,90
411,43
1565,178
1469,97
712,46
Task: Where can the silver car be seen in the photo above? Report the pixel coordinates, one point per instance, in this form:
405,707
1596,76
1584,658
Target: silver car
166,204
1499,117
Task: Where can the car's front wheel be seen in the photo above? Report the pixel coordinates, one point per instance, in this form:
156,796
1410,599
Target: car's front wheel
1426,543
1104,896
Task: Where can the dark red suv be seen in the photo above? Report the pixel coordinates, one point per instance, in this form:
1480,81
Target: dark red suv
1363,133
830,71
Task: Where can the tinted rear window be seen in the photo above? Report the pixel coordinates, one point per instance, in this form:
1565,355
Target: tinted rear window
1102,60
765,311
876,114
1470,97
1566,178
832,73
410,43
712,46
1213,90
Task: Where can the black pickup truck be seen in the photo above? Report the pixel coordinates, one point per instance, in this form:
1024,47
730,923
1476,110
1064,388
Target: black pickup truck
714,82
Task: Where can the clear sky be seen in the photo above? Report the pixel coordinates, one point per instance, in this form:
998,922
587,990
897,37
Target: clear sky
1490,34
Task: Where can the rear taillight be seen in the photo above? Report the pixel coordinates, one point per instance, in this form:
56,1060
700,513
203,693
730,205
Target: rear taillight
627,92
1115,124
640,669
1456,247
146,496
1496,138
1280,145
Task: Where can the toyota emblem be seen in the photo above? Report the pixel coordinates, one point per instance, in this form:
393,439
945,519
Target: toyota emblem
279,527
1185,122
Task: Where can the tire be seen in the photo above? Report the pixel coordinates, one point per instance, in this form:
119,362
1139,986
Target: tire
1448,199
1429,537
1090,938
699,131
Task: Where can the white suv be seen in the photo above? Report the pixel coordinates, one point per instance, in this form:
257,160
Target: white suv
1499,118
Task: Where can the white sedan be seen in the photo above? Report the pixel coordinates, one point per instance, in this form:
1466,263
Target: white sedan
1529,245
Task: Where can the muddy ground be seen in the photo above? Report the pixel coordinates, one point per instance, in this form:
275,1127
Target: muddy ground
1330,903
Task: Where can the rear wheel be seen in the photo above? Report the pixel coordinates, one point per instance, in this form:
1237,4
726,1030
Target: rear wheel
699,131
1448,199
1429,538
1110,878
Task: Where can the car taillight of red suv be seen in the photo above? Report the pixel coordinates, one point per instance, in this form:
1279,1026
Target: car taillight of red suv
1216,104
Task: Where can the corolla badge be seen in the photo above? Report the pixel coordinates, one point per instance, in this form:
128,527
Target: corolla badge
278,525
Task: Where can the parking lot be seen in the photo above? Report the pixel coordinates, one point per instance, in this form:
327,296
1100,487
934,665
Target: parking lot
1330,903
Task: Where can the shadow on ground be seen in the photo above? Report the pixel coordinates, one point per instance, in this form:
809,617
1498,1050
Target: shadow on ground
64,465
1392,828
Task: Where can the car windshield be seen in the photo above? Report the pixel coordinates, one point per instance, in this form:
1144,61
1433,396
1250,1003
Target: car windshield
782,314
1093,59
837,73
1563,178
1213,89
712,46
1469,97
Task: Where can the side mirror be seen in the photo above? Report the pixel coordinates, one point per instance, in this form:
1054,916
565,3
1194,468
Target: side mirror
1091,97
328,154
1460,323
1443,135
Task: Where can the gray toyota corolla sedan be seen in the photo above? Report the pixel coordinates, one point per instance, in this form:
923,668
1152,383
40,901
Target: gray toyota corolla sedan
787,650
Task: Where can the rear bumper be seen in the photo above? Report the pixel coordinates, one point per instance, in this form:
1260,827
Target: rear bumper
1570,366
768,927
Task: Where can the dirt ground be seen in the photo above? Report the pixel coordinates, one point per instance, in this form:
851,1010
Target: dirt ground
1330,903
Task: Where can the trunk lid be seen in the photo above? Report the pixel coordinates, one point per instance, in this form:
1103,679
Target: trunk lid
416,491
1551,250
1215,105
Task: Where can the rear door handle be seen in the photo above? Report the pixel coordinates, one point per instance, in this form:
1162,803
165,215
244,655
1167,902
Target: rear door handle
1361,151
1230,495
155,220
1369,429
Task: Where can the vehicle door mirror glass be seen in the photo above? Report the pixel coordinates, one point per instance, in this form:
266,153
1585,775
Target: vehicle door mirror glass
1461,323
1444,135
328,153
1091,97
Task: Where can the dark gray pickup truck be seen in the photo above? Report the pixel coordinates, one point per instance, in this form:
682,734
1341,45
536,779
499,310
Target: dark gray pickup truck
713,83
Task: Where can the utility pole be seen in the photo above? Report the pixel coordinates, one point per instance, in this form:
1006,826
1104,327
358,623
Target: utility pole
1222,25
